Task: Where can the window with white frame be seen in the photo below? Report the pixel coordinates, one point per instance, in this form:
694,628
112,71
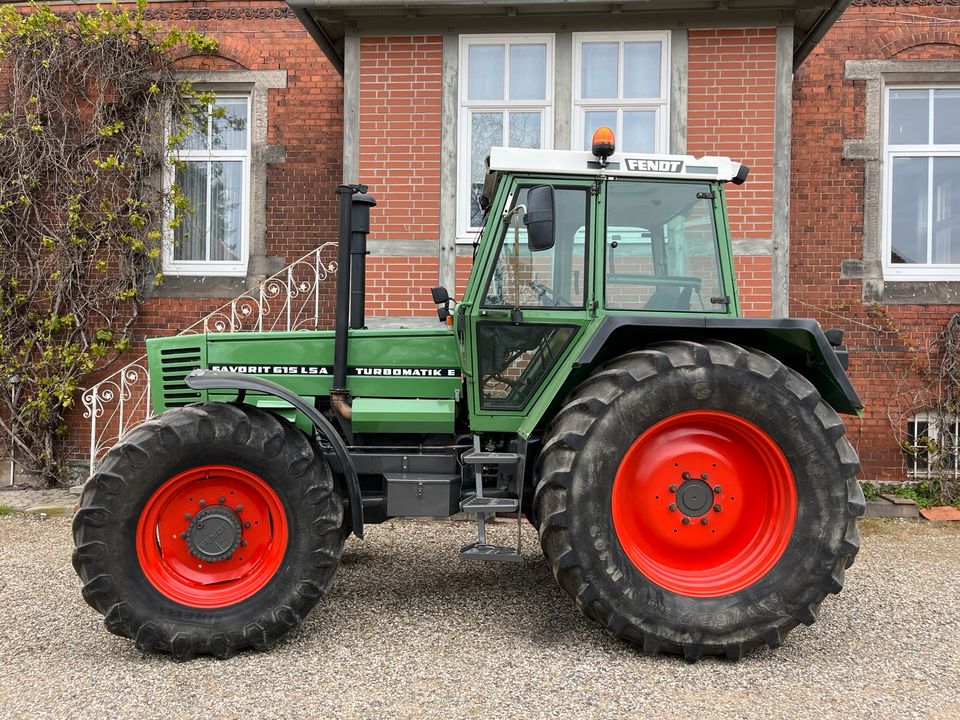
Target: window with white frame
932,445
506,97
213,174
622,81
922,183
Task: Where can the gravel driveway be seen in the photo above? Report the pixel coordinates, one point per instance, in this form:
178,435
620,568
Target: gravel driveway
409,631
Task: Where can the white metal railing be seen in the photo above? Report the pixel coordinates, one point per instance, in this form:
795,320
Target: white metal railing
288,300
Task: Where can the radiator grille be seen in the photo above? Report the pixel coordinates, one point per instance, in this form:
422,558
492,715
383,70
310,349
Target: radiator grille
175,365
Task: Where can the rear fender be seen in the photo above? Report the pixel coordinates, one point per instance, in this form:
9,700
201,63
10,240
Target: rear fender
799,344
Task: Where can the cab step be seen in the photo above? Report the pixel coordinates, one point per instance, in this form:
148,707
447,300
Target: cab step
490,553
482,506
489,505
478,457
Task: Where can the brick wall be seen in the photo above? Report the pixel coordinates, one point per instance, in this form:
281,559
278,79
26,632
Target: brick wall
887,342
305,118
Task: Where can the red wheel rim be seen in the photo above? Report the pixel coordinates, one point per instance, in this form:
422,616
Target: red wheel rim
672,472
259,540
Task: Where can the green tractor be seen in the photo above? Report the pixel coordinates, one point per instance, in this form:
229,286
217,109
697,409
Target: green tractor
685,467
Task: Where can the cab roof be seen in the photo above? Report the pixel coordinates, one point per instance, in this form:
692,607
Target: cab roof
620,164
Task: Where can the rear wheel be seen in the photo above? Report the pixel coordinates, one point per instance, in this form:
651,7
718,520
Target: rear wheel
698,499
207,530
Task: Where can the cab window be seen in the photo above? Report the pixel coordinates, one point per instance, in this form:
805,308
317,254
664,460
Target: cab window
554,278
661,249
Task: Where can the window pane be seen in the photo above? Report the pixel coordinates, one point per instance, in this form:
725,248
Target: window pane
230,131
196,139
639,131
528,72
908,210
909,117
946,210
524,130
946,116
641,70
661,248
226,210
594,120
190,236
599,70
485,72
486,131
548,278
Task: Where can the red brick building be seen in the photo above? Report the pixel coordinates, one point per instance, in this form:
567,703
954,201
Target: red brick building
430,86
875,217
407,97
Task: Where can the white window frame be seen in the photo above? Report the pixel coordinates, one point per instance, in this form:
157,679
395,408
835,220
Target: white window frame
466,233
904,271
661,104
215,267
933,420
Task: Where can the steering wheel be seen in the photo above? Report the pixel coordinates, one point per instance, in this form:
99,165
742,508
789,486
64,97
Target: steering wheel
546,293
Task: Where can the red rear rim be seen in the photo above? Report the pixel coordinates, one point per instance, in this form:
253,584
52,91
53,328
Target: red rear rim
211,536
704,503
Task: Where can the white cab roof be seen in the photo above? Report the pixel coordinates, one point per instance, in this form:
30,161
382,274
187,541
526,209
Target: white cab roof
623,164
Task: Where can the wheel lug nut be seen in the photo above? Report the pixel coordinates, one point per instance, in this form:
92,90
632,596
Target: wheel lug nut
202,503
704,521
672,508
183,535
673,488
222,499
716,508
246,524
239,508
704,476
686,521
717,489
685,475
186,516
243,543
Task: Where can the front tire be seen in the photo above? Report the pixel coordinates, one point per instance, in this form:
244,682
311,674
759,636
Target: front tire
207,530
698,498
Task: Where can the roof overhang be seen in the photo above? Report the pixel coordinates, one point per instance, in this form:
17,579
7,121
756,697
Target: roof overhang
329,21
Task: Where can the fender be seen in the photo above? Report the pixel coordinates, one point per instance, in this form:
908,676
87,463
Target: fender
217,380
800,344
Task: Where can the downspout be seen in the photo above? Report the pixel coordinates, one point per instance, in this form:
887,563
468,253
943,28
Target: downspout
319,37
817,32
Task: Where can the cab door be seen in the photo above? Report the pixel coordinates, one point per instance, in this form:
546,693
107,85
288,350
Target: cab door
530,307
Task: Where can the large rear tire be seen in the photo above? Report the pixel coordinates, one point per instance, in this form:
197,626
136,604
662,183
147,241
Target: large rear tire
207,530
698,498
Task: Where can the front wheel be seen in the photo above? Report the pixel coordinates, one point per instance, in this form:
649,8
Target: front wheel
207,530
698,498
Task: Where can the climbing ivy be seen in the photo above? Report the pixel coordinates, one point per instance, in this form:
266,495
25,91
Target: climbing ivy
91,112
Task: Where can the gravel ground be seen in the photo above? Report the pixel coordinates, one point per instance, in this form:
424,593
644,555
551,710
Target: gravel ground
409,631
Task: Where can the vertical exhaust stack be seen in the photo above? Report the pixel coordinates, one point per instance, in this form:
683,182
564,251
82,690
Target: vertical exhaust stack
351,208
359,228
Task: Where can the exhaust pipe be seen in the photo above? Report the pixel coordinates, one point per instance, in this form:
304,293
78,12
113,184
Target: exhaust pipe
351,208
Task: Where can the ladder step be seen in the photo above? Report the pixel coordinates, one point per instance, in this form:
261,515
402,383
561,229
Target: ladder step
485,505
492,553
477,457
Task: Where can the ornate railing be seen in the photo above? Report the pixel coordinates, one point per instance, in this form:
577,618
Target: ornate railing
288,300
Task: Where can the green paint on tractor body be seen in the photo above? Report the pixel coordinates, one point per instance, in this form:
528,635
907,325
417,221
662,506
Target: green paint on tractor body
506,376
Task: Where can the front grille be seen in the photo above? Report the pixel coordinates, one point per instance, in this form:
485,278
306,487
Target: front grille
175,365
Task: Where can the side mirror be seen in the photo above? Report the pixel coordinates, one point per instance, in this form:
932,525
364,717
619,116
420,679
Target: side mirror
441,297
440,294
539,218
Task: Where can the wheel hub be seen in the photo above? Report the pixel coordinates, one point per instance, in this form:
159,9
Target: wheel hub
214,533
694,498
